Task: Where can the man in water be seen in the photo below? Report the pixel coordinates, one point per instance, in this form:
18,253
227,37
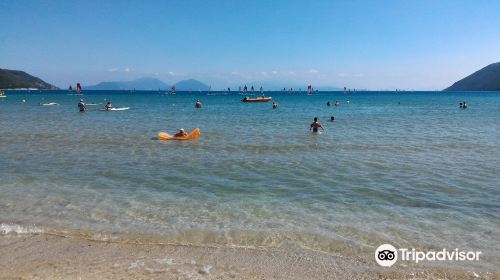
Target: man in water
197,104
108,106
332,118
328,104
81,106
315,126
181,133
275,106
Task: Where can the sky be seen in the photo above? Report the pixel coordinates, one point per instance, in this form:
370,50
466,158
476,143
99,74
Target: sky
410,45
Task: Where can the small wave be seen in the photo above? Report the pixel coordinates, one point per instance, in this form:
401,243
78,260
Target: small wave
6,229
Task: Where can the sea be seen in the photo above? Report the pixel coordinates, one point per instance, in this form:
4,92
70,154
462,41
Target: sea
410,169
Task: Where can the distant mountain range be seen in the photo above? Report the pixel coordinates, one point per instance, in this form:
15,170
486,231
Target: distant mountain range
149,84
486,79
15,79
191,84
139,84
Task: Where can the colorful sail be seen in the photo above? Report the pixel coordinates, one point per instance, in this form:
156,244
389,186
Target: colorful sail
78,88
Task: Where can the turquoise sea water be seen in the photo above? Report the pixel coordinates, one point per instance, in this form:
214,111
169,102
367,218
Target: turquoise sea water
410,169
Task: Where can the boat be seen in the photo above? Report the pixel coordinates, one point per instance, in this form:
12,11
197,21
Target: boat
172,90
257,99
2,94
165,136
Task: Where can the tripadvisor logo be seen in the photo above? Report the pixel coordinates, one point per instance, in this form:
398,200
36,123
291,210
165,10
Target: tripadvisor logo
386,255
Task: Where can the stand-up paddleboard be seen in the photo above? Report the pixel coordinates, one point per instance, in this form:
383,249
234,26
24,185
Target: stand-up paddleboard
50,104
165,136
116,109
119,109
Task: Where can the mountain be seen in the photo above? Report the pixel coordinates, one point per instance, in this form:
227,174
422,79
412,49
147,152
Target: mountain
139,84
11,79
191,84
486,79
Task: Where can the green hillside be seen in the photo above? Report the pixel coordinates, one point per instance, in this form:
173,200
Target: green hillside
12,79
486,79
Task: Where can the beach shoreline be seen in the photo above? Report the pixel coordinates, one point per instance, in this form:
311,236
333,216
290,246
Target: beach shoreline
46,256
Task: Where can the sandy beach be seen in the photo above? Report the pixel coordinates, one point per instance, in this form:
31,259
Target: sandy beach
43,256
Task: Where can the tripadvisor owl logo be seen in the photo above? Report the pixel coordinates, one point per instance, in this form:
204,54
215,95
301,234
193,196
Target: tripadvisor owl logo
386,255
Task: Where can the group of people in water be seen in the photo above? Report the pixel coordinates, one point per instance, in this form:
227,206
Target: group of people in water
463,105
315,126
337,103
83,107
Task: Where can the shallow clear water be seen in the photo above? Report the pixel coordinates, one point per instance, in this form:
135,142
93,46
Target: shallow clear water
411,169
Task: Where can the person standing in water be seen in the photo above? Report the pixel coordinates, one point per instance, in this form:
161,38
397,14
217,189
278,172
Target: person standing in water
197,104
315,126
81,106
328,104
275,106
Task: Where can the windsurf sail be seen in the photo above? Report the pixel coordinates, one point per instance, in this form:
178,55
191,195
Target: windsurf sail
309,89
78,88
70,88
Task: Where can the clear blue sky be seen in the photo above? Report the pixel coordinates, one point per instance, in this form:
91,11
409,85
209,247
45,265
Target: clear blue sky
358,44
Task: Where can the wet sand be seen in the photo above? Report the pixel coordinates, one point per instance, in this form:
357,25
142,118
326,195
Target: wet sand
43,256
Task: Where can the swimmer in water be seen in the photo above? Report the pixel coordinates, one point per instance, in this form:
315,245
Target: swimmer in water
328,104
197,104
315,126
275,106
332,118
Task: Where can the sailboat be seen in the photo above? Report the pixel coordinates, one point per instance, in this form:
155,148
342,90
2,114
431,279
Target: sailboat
78,88
70,89
172,90
309,90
